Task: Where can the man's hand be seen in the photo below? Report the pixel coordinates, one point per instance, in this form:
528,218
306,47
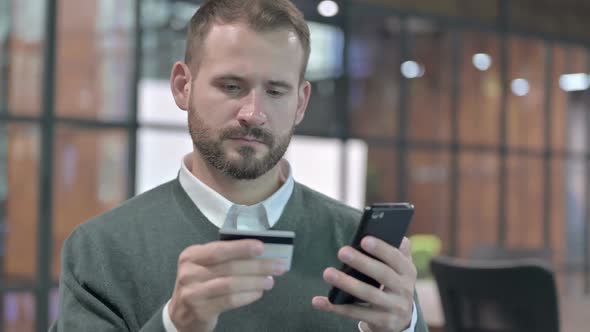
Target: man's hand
216,277
390,307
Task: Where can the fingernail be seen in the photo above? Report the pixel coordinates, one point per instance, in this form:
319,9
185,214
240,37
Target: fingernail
331,276
405,245
278,267
369,243
269,283
346,255
257,249
320,303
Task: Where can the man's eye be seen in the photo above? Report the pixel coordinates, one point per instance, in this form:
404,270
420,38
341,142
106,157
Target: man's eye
274,93
231,87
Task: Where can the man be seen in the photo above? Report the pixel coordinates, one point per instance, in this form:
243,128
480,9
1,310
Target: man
154,264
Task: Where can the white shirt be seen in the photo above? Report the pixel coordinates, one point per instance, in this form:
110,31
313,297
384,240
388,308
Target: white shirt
219,210
223,213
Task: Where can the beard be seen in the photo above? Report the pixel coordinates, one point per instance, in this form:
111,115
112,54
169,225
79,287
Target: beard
247,166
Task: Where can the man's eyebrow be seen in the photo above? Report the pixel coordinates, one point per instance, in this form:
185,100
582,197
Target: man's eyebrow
280,84
228,78
274,83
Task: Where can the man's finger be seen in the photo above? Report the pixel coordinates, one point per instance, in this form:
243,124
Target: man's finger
355,312
372,267
190,273
389,254
218,252
357,288
406,247
232,285
250,267
223,303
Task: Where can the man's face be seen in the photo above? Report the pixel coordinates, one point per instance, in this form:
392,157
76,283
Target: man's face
246,98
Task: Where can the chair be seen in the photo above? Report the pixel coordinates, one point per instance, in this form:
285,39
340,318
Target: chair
494,252
496,296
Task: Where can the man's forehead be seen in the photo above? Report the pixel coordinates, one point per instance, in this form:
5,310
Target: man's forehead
235,32
236,48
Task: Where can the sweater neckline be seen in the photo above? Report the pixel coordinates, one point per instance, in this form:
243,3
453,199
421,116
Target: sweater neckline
195,218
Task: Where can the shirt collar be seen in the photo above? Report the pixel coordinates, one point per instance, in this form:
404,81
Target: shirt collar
215,207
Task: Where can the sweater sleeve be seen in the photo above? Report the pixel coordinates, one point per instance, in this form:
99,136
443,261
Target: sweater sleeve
82,306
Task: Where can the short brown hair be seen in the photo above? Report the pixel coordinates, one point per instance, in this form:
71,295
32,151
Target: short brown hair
260,15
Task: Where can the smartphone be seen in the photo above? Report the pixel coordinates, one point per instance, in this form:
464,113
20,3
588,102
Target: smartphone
386,221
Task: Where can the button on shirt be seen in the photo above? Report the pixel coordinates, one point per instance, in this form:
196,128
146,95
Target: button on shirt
225,214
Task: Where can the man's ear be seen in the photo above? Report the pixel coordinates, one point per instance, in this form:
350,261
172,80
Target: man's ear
302,101
180,84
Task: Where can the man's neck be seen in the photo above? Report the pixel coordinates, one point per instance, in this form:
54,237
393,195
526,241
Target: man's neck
245,192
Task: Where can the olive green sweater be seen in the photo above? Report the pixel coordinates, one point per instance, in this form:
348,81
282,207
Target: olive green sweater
119,269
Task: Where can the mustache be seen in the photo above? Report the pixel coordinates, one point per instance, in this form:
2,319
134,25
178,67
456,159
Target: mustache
257,133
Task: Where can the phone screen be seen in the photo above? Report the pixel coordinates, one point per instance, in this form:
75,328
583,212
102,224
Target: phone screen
386,221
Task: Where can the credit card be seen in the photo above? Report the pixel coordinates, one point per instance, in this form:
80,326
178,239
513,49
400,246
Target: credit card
277,244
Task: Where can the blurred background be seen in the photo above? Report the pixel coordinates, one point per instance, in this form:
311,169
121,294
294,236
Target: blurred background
475,111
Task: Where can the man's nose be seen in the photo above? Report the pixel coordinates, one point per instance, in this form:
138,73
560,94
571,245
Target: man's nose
251,112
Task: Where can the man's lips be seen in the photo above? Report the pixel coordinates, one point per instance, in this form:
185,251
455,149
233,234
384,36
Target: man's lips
247,139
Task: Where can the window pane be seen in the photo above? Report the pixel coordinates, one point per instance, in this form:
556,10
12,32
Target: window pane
479,108
577,124
325,173
526,97
21,55
157,106
578,59
19,190
324,115
164,37
94,61
559,203
53,304
326,110
559,99
382,174
429,191
524,202
569,96
374,72
90,177
486,12
569,216
478,209
159,154
325,59
5,15
163,43
575,198
429,75
19,312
